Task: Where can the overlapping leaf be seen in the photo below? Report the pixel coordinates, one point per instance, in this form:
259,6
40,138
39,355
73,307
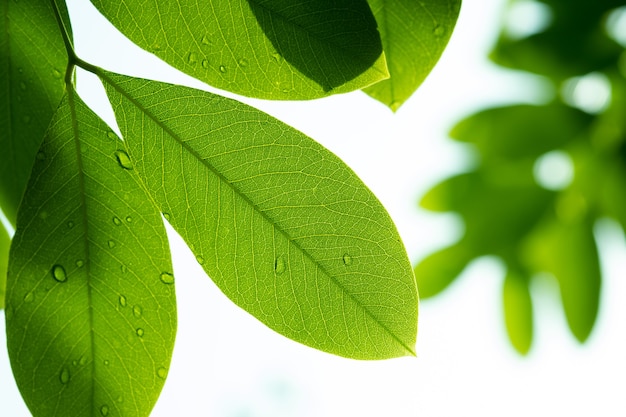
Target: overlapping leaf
271,49
414,35
91,313
283,227
5,242
32,65
518,310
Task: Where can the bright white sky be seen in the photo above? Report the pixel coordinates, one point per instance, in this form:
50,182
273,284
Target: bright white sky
226,364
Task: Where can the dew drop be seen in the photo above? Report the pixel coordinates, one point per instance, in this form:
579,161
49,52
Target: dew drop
129,219
205,64
162,373
276,57
123,268
56,73
111,244
167,278
64,376
200,259
80,263
106,362
117,221
206,40
137,311
111,135
192,58
347,259
439,31
22,85
122,301
74,362
82,360
222,69
29,297
123,159
167,216
41,156
58,273
139,332
70,224
243,62
104,410
279,265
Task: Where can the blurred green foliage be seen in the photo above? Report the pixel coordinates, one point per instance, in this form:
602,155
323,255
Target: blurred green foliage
544,173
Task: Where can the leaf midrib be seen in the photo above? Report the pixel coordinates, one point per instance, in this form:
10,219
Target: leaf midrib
245,198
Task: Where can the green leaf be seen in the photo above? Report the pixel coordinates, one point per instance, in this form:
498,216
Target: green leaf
32,65
518,311
91,313
569,252
5,242
272,49
521,131
414,35
439,269
284,228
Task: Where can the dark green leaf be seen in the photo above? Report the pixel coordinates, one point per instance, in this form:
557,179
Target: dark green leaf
5,242
569,252
414,35
518,311
91,313
273,49
32,66
284,228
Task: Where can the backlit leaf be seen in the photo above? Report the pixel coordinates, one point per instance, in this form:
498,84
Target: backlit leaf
273,49
91,313
518,311
32,66
435,272
283,227
414,35
5,242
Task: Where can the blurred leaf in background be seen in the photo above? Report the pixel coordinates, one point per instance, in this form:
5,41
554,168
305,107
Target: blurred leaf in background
545,173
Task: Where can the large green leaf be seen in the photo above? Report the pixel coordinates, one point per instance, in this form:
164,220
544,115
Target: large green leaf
284,228
273,49
32,65
5,242
414,35
91,314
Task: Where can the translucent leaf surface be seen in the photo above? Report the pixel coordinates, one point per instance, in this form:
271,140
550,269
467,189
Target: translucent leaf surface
91,313
273,49
518,311
414,35
32,65
283,227
435,272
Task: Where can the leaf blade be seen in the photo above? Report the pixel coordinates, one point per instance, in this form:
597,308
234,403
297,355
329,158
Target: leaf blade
269,49
273,218
414,35
90,325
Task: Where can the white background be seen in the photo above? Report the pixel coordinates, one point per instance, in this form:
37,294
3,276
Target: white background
226,364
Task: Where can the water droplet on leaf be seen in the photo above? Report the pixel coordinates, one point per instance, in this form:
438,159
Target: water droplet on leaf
192,58
123,159
222,69
56,73
64,376
279,265
129,219
80,263
122,301
205,64
70,224
29,297
167,216
206,40
347,259
82,361
104,410
111,244
139,332
137,311
200,259
243,62
117,221
123,268
162,372
167,278
58,273
439,31
106,362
